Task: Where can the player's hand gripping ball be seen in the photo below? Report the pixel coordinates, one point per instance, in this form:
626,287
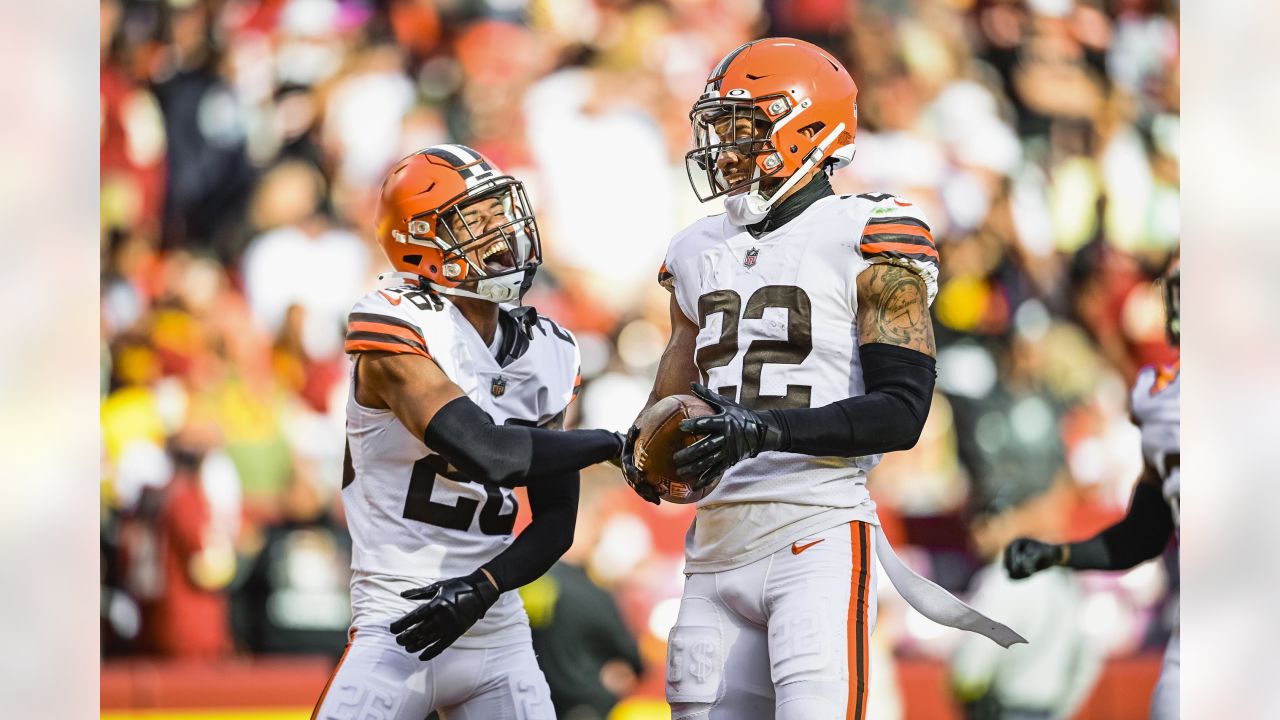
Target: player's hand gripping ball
654,440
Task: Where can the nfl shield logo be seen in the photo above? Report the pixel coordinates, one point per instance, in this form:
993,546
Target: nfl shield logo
498,387
750,259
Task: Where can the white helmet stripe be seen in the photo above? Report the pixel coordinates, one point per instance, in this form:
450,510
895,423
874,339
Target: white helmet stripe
464,155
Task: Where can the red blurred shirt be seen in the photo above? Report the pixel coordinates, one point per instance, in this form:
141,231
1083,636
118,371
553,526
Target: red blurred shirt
186,621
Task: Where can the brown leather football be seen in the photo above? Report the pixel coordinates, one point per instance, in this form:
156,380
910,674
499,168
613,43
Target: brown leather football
660,438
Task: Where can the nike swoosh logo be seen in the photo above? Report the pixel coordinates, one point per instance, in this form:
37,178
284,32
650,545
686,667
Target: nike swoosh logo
393,300
797,548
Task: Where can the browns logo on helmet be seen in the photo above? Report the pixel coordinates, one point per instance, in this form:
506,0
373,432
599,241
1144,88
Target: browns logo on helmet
786,104
449,218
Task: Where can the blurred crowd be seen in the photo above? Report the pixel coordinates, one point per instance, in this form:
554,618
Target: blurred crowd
242,147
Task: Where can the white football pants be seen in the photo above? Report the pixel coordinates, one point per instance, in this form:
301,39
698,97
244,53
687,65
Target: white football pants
377,680
785,637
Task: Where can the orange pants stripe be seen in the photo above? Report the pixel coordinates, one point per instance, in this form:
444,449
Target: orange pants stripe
859,609
316,710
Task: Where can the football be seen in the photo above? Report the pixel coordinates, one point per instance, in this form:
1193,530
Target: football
660,438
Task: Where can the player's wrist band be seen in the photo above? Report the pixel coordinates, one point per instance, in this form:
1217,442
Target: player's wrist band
485,585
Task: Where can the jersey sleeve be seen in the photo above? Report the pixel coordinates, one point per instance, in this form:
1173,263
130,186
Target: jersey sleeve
381,322
673,274
897,233
666,278
568,362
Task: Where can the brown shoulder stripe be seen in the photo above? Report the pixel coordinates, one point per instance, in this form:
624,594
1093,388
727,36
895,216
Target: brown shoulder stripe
875,232
362,341
895,221
358,317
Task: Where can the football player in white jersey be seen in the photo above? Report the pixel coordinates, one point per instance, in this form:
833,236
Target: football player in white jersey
1152,518
455,399
807,316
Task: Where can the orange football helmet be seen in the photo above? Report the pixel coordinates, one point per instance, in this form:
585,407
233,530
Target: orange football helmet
450,219
786,104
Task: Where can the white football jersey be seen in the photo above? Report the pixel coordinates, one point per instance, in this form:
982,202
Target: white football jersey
413,518
1157,412
778,329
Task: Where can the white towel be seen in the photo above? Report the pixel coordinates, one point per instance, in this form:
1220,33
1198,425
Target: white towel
936,603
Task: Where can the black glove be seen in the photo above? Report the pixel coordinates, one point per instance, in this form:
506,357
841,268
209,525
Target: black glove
1025,557
732,434
633,474
452,606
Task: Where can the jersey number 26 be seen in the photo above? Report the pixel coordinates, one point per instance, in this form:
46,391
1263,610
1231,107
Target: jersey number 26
419,505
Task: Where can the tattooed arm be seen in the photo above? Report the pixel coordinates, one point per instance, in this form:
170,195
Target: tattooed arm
895,338
893,308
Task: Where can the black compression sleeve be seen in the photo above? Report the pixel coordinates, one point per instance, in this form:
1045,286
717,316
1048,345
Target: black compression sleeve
505,454
1139,536
899,388
554,504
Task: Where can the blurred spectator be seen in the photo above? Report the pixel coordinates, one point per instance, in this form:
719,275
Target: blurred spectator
294,599
1009,431
208,173
583,646
188,616
301,261
1049,677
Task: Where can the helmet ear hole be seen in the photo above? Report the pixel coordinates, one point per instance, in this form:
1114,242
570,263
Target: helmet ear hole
812,129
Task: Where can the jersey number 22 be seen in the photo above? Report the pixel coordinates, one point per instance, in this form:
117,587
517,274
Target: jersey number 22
792,351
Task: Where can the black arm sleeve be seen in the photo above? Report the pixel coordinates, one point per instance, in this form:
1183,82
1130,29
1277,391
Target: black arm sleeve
899,388
1139,536
554,503
505,454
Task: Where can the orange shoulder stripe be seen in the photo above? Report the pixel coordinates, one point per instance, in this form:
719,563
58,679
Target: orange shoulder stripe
386,329
897,229
871,248
355,346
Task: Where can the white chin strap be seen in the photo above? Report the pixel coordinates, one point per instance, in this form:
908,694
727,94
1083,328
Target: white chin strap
746,208
497,290
753,207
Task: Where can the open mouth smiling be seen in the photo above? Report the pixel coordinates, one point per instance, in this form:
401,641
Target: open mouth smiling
497,257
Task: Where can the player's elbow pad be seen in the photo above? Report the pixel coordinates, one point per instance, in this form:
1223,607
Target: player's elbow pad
890,416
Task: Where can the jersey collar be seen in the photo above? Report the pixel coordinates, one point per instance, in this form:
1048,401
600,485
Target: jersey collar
790,208
517,329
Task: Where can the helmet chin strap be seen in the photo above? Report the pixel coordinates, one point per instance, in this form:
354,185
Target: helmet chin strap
494,290
757,202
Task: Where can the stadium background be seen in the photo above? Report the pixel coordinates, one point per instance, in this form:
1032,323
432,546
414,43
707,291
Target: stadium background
242,144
